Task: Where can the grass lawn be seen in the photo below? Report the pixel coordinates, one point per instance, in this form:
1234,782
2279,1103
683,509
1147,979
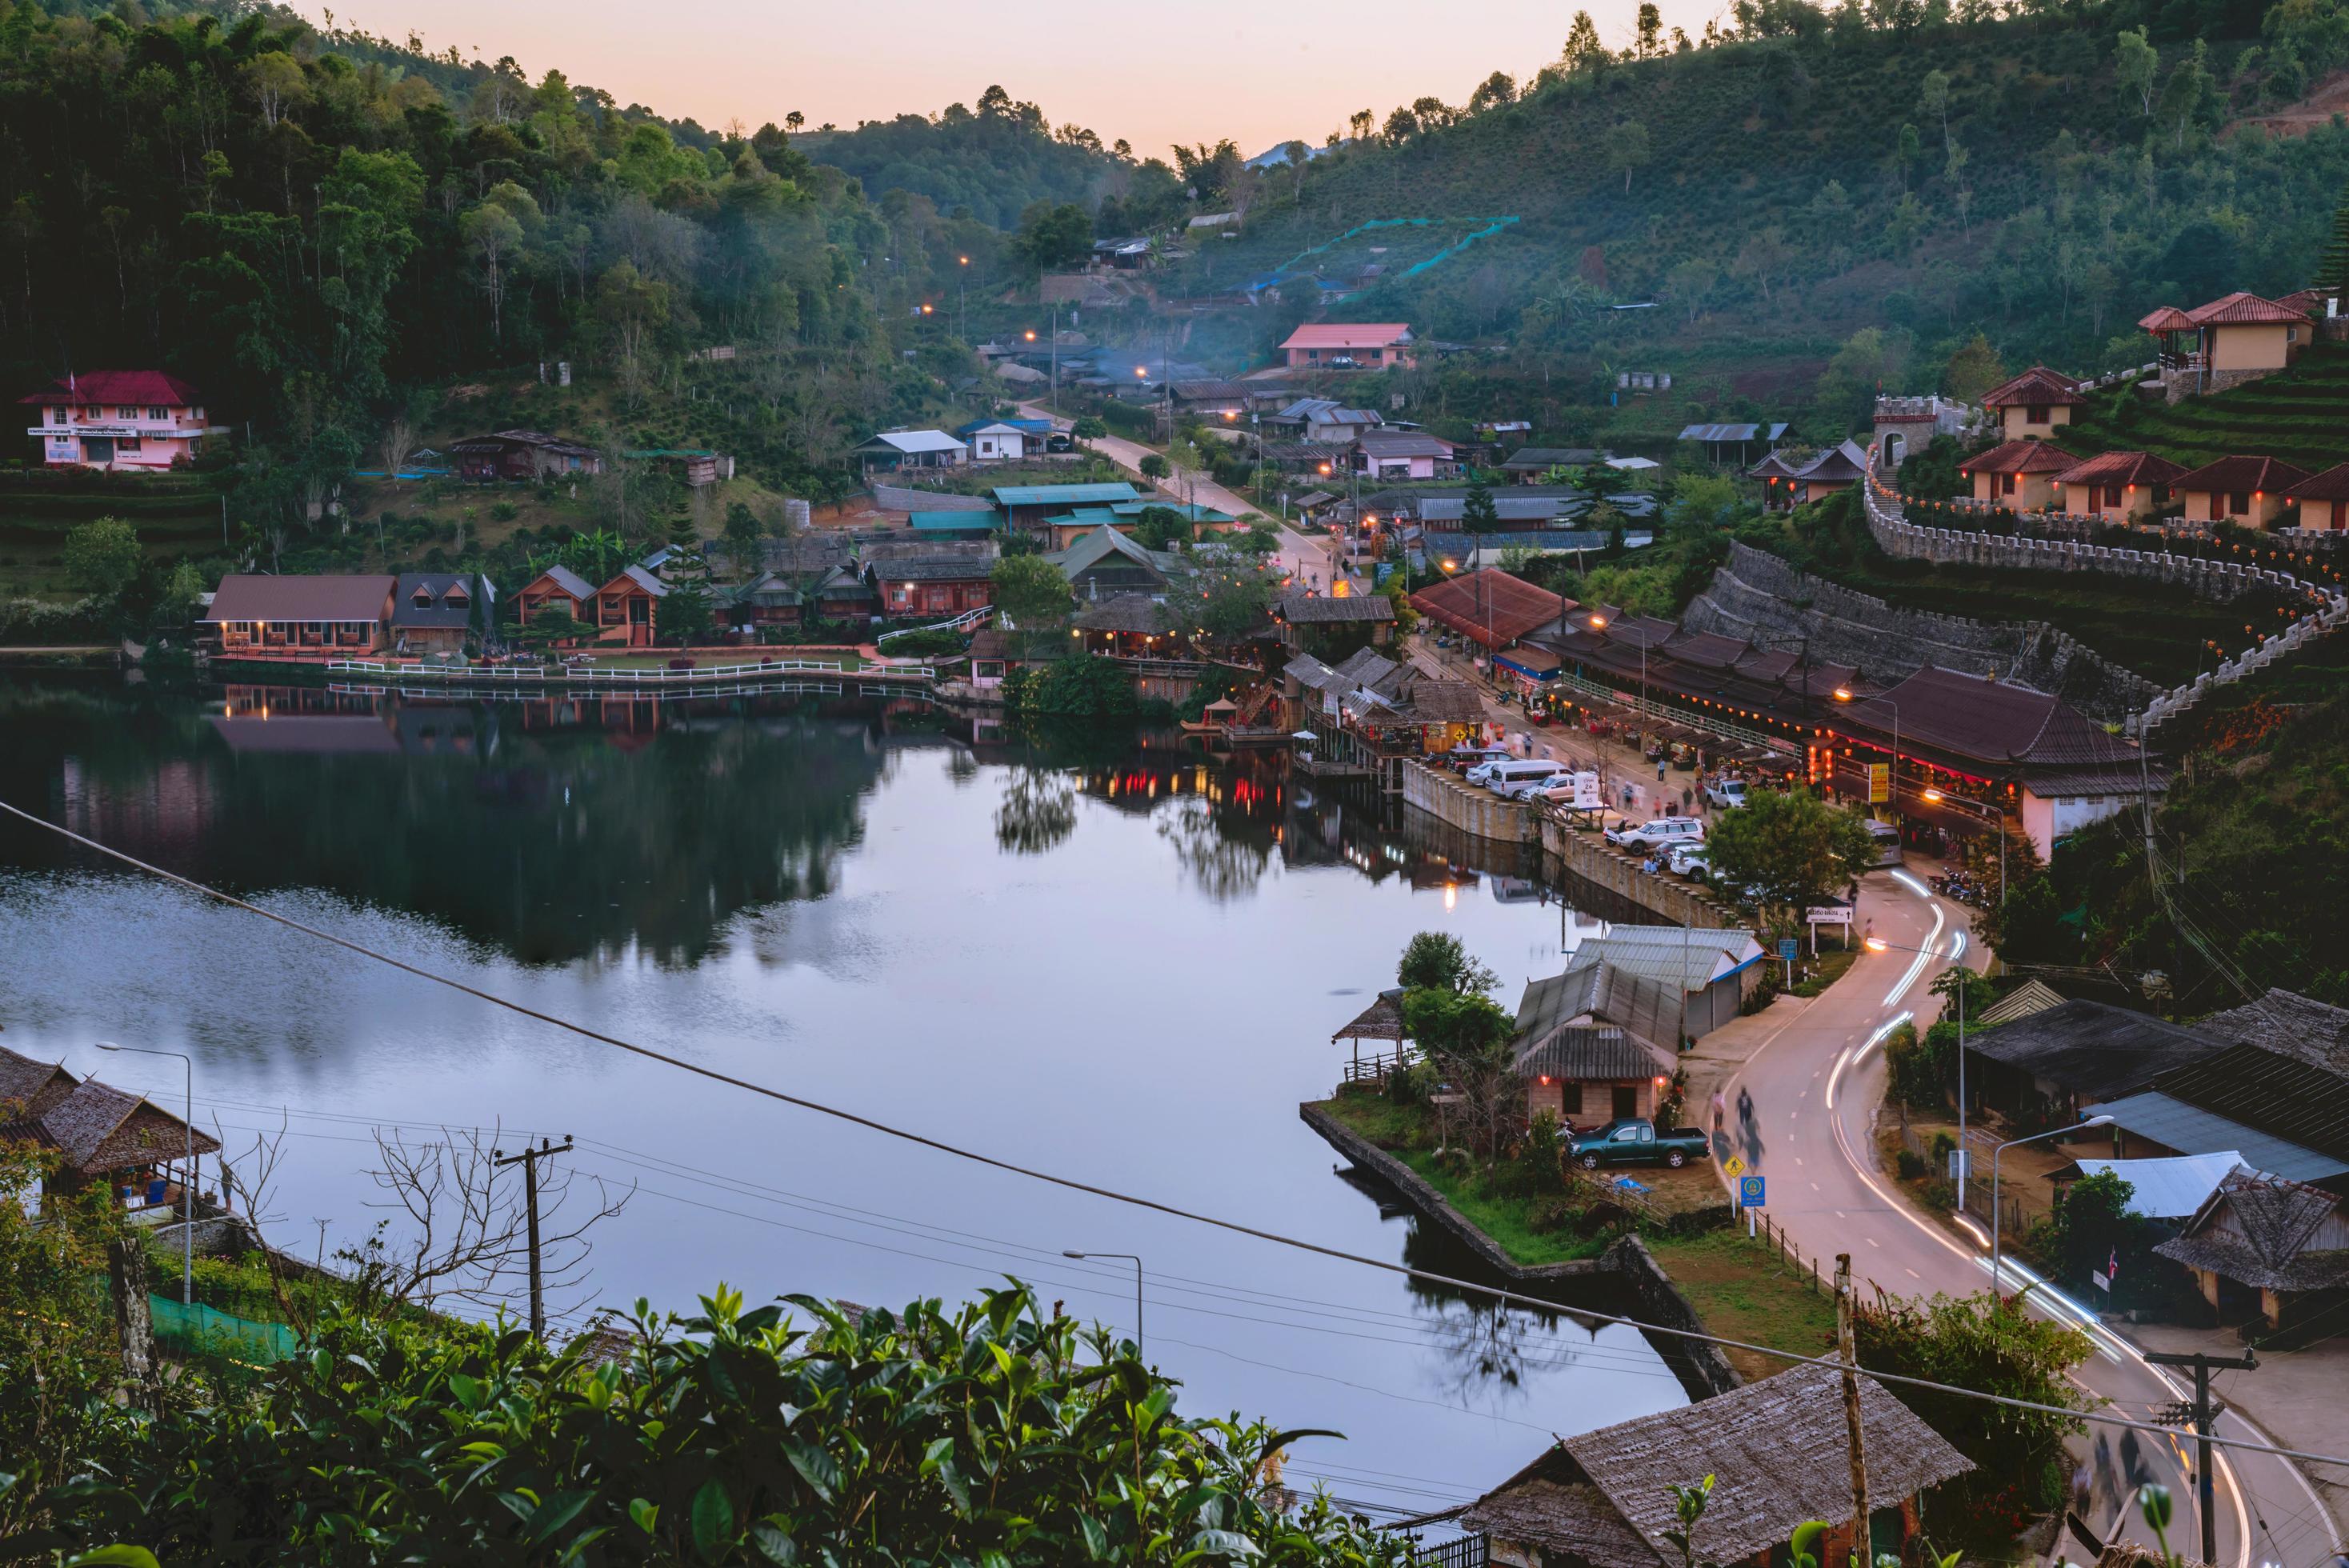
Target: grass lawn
1741,1290
1827,968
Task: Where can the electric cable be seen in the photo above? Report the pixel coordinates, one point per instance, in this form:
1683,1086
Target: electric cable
1071,1183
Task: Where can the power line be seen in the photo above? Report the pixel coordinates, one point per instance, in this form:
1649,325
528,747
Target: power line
1112,1194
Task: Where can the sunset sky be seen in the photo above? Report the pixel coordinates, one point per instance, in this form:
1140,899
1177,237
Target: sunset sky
1257,72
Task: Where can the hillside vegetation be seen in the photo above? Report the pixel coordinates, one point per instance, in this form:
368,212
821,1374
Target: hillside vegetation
2046,178
989,163
2301,415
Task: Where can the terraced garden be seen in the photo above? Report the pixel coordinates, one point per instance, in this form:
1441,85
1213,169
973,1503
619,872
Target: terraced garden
2301,415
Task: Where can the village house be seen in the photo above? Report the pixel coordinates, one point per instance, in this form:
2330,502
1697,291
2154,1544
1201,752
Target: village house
437,612
934,584
2234,339
1661,983
1586,1075
2073,1055
2124,486
1026,506
1402,455
1105,564
1126,516
2249,491
349,616
1778,1452
995,441
101,1135
522,455
627,607
2267,1247
127,422
2285,1112
2019,475
1792,481
1210,398
556,590
1490,606
1332,627
1131,625
1533,465
1326,422
893,449
1718,440
2322,500
2033,404
1367,345
696,466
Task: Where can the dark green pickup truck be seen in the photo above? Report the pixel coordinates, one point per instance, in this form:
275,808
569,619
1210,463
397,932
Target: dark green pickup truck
1634,1141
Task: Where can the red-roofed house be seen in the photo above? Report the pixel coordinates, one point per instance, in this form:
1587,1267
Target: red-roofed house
2244,490
2119,484
1371,346
2033,403
2323,500
128,421
2018,475
2237,338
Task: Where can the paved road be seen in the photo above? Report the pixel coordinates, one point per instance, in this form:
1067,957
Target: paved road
1801,1113
1304,556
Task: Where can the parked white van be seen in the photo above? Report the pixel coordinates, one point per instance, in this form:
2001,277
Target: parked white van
1517,779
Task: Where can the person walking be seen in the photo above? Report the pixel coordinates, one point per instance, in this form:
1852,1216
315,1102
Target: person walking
1660,769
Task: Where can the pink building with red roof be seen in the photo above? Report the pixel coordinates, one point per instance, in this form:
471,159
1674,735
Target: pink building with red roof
2238,338
1345,345
129,421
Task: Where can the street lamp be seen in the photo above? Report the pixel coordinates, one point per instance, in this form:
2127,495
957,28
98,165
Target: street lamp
1136,1261
962,296
1892,791
2050,1132
1996,817
187,1171
1877,945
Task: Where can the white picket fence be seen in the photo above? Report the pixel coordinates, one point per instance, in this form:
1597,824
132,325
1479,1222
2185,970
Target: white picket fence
590,674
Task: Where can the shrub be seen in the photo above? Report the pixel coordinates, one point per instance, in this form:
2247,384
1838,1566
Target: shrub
1911,1165
504,510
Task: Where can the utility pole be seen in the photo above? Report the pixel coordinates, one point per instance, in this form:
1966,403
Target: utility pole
528,1160
1850,1358
2203,1413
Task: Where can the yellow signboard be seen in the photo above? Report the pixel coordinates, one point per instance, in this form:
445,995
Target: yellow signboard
1732,1167
1879,781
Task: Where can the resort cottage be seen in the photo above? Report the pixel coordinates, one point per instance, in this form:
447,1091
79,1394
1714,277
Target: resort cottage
2322,500
556,590
2124,486
124,420
2034,403
342,616
934,584
2234,339
100,1134
626,608
2019,475
434,612
2245,491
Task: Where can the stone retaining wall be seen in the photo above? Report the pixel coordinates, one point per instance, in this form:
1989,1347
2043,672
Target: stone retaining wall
1591,858
1470,808
1702,1367
2220,581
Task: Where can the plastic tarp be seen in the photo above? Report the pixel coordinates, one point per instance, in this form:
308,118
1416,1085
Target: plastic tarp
207,1330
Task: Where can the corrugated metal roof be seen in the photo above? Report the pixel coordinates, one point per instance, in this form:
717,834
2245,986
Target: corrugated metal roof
1063,495
2171,1189
2174,1124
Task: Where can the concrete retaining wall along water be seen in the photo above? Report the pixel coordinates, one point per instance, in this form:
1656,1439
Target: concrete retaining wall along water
1470,808
1589,856
1701,1368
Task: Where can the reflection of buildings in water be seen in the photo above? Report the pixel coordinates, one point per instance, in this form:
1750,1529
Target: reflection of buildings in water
172,803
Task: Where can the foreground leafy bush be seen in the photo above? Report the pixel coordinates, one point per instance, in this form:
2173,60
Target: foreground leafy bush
992,1434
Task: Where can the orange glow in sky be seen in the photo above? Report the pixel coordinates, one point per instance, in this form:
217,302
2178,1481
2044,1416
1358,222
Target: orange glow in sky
1152,74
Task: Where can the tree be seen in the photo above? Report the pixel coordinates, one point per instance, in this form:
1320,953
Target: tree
1439,961
1905,150
102,556
687,613
1627,149
1467,1038
742,532
2136,62
1872,360
1690,282
1972,370
1153,466
2188,90
1478,515
1763,256
1052,234
1234,601
1794,850
494,231
1161,527
1649,30
1583,48
1030,590
1934,99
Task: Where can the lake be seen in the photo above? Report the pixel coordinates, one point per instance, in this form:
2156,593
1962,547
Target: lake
1118,959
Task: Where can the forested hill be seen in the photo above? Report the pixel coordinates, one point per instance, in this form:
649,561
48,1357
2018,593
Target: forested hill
991,163
2048,177
313,230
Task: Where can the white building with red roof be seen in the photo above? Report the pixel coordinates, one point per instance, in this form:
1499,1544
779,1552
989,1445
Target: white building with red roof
127,420
1347,345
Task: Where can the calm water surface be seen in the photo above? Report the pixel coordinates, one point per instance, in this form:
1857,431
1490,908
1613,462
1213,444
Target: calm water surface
1122,963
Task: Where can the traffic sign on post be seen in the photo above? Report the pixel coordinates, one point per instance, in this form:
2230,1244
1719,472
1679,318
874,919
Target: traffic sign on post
1732,1167
1749,1191
1879,782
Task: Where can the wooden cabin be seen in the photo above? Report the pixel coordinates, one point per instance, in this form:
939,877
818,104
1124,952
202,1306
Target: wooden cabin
628,608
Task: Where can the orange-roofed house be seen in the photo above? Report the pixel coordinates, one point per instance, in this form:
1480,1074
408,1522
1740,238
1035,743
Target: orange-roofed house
132,422
2124,486
2244,490
2239,338
2033,403
2323,500
2018,475
1349,346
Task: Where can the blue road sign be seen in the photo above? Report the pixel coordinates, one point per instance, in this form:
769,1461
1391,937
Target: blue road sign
1749,1191
1787,948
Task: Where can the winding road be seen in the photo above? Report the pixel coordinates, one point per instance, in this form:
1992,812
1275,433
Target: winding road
1802,1113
